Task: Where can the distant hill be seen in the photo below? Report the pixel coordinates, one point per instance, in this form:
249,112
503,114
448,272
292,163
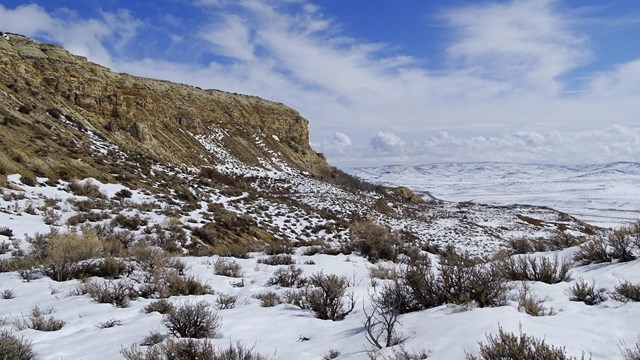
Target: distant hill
603,194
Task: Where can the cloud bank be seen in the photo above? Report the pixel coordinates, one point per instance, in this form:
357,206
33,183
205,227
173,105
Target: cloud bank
515,84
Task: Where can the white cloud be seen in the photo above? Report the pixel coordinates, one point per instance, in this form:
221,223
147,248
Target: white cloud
614,143
339,145
231,38
85,37
526,43
387,143
622,81
28,20
501,96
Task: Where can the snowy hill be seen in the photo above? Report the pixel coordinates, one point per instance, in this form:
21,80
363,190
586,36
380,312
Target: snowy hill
138,215
604,195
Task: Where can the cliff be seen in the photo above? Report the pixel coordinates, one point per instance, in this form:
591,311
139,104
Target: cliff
44,89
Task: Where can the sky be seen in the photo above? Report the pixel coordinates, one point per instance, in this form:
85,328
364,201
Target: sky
388,81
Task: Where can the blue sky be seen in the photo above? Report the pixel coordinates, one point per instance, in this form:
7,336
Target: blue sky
388,82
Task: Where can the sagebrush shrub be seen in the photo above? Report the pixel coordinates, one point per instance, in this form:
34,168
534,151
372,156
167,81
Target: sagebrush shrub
193,321
531,304
383,272
229,268
374,241
506,345
397,354
630,353
40,320
117,293
268,298
6,231
586,293
51,217
594,251
381,323
626,291
279,259
67,255
190,349
15,348
530,268
150,260
465,279
163,306
110,268
325,295
172,284
225,301
288,277
86,188
621,246
7,294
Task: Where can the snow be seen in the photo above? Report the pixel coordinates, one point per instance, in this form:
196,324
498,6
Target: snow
603,195
444,332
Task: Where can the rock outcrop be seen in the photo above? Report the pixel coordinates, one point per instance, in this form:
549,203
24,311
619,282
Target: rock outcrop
43,83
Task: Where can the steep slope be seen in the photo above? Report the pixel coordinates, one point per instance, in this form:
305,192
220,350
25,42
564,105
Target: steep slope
43,88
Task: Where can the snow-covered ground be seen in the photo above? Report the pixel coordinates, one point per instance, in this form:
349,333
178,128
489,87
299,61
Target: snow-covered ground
604,195
288,332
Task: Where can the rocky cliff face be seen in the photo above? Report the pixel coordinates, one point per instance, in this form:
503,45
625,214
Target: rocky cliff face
43,86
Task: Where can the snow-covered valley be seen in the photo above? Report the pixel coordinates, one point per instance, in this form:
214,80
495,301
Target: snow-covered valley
603,195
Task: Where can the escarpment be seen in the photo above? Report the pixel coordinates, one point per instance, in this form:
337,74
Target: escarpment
60,99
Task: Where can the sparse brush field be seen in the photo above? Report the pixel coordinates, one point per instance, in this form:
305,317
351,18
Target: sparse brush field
124,273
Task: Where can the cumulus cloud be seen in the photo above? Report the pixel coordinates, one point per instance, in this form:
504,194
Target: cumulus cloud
387,143
340,145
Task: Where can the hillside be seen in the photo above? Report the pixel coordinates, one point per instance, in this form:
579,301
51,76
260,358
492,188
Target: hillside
120,192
